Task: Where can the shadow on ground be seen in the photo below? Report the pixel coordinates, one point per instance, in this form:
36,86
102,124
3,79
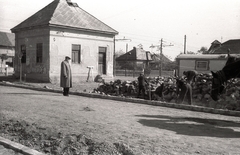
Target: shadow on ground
193,126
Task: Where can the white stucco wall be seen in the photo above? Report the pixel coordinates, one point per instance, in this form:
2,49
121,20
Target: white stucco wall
214,65
30,38
61,41
185,65
57,43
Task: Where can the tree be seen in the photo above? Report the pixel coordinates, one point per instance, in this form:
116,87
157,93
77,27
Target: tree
203,50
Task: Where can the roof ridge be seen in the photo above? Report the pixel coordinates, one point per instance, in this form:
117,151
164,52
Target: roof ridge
21,25
95,18
62,14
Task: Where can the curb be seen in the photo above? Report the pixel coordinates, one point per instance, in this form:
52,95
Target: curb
135,100
18,147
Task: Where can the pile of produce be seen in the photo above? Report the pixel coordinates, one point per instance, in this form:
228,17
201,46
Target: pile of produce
230,99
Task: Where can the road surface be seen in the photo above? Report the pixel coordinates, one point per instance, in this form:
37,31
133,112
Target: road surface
145,129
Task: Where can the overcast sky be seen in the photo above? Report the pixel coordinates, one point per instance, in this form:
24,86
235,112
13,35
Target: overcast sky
147,21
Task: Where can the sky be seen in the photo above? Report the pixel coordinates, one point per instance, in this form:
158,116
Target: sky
146,22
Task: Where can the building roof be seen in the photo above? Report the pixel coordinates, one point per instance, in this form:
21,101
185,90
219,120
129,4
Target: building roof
64,13
7,39
216,42
233,45
136,54
156,58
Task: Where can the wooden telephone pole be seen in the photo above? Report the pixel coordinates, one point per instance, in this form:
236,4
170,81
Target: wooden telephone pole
160,62
185,40
161,56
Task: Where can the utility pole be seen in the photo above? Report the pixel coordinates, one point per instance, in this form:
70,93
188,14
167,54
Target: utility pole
185,40
161,56
160,62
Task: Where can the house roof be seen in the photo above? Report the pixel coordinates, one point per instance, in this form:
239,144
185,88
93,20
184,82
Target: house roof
156,58
233,45
7,39
136,54
64,13
216,42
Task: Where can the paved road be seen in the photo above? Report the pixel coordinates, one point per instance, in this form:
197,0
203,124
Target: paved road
145,127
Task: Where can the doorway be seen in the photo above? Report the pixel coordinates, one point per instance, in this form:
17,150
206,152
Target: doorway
102,61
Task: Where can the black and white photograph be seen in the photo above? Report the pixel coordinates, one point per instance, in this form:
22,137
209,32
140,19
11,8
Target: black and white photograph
90,77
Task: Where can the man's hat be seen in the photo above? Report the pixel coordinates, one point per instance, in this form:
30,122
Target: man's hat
67,57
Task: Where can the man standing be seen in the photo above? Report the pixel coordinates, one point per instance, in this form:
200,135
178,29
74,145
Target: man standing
142,85
66,76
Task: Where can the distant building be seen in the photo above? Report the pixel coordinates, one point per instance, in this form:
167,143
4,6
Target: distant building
213,60
204,63
7,47
138,57
156,60
63,29
222,48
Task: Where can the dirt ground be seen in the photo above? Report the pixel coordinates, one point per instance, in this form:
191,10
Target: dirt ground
54,124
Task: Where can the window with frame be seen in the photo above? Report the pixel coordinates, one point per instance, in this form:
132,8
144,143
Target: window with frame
39,53
76,54
201,65
23,52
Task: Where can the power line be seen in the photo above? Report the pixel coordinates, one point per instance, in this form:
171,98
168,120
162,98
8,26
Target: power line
132,9
177,44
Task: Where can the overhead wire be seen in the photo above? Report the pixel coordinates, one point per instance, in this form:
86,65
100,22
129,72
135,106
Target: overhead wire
176,44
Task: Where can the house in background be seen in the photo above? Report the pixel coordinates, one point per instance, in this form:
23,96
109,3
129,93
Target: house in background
222,48
156,60
62,29
7,48
138,58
